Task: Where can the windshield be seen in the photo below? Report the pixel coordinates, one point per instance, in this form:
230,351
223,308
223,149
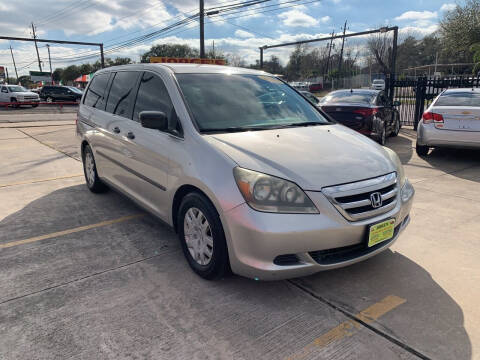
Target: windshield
223,102
378,81
17,88
459,99
349,97
74,89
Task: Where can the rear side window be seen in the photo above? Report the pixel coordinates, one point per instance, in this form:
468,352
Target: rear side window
153,95
95,96
122,92
459,99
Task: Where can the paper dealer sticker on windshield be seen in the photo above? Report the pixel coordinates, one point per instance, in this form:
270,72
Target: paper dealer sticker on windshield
270,79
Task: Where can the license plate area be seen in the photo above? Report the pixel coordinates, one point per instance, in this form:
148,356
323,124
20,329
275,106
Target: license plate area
380,232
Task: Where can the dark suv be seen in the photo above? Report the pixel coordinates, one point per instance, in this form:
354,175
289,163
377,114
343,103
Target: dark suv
60,93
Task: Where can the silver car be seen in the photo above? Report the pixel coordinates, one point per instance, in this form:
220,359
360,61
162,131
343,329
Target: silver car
452,120
251,176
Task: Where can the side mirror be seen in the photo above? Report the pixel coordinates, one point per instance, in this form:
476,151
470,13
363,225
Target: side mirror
154,120
397,103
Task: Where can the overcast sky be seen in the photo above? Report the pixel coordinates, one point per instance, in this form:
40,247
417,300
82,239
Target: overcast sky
115,21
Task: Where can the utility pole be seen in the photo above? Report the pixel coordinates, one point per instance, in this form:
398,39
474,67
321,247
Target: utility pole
213,48
50,62
202,30
330,51
13,59
102,57
341,51
6,73
36,47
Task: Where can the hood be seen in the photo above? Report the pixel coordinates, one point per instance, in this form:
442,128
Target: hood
25,93
313,157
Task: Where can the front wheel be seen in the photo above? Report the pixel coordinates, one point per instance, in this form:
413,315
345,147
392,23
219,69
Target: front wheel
94,183
202,237
49,99
422,150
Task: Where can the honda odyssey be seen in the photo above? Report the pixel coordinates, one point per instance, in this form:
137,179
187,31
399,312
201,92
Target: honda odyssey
251,175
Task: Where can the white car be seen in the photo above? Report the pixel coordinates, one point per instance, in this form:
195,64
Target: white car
18,94
378,84
452,120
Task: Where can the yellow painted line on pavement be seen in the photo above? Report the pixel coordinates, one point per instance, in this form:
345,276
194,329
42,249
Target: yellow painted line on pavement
40,180
349,327
70,231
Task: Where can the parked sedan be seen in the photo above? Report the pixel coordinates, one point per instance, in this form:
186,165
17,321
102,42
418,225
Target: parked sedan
369,112
60,93
452,120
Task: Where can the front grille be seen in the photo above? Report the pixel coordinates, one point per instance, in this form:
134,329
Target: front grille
30,98
354,202
346,253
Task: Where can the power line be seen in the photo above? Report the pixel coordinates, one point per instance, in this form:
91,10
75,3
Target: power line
64,11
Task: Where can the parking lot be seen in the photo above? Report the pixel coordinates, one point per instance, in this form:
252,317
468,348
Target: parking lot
95,277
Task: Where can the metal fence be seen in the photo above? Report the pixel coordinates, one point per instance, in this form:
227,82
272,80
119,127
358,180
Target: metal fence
417,95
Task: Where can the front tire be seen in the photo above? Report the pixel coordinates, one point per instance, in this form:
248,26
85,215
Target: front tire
422,150
202,237
49,99
94,183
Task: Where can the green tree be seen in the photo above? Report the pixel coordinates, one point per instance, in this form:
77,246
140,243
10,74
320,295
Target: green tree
57,74
460,29
170,50
70,73
273,66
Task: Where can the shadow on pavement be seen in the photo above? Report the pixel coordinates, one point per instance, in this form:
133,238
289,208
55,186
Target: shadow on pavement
430,320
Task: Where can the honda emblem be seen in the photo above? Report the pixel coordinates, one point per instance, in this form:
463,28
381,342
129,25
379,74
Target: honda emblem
376,199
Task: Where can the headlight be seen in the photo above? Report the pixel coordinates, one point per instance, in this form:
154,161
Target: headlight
271,194
407,191
398,165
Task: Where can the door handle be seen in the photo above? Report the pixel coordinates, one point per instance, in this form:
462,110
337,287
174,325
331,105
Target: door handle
130,135
116,129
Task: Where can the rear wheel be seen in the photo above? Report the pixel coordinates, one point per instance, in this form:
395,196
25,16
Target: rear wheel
94,183
49,99
202,237
422,150
396,126
382,139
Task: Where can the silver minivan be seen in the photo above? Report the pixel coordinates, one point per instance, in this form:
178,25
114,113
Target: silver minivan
252,176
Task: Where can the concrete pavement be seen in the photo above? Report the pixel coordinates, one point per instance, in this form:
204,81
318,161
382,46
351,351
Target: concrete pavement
93,276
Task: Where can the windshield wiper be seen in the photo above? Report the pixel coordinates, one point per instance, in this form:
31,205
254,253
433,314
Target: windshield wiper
238,129
305,123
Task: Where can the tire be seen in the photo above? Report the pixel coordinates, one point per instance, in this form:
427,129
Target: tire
14,100
206,251
92,180
397,126
49,99
422,150
382,139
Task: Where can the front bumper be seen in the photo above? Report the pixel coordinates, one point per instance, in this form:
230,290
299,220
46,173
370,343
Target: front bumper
256,239
428,135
